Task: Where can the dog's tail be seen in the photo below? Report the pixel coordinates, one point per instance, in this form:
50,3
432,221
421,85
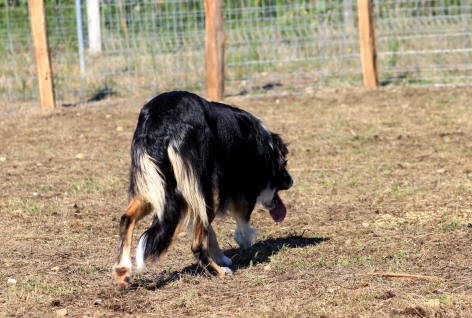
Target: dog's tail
170,207
147,181
189,186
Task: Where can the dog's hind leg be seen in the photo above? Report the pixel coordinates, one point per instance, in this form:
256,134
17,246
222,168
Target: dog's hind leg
200,248
137,209
215,251
157,239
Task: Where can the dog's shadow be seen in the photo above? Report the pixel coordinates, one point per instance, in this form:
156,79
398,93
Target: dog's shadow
261,252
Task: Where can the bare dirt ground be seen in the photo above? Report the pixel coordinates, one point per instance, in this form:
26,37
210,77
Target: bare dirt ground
383,184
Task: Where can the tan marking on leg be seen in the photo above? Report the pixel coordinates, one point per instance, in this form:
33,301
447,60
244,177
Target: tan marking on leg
221,272
238,210
179,229
215,251
201,251
137,209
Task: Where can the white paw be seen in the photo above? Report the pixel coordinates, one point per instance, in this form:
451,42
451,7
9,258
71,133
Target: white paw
227,270
222,260
244,238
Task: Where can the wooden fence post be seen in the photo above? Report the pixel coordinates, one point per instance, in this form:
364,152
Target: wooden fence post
37,15
215,49
368,47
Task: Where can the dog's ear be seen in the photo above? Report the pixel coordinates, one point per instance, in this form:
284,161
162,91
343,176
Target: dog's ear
279,144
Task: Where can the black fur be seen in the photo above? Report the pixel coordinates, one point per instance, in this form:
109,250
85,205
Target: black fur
124,225
159,235
229,149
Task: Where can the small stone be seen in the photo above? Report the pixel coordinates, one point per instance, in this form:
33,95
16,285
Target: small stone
267,268
55,268
119,128
3,159
277,101
61,312
80,156
108,116
11,281
35,194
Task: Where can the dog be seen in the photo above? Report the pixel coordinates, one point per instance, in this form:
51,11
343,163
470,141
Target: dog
192,159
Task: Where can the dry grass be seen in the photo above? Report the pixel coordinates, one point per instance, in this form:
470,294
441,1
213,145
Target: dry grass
383,183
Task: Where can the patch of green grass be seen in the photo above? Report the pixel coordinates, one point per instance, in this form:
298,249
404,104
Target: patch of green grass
41,286
45,187
400,192
366,296
452,226
358,151
93,268
441,298
299,263
400,257
84,186
321,262
31,283
14,203
32,207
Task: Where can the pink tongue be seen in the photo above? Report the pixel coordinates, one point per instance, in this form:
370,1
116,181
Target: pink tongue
279,211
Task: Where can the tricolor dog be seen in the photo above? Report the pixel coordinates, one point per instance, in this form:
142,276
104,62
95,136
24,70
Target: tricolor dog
192,159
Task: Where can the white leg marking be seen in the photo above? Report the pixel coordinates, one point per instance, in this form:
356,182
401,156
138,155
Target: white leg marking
244,234
125,261
140,264
227,270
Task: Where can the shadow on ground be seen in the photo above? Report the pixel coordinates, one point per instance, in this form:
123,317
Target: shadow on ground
258,253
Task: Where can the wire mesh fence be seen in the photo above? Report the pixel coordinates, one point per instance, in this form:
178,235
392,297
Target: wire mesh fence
425,42
272,46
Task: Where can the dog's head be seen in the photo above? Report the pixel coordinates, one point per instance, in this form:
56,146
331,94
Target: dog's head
279,179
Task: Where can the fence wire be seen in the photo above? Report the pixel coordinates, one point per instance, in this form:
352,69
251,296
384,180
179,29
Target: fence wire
273,47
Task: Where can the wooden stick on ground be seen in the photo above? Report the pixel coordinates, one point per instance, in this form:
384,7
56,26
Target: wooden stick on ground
408,276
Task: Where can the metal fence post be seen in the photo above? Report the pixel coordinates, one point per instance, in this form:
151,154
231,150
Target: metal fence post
37,15
368,48
215,49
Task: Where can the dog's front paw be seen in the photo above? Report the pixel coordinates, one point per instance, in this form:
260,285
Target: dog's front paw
228,270
121,275
244,237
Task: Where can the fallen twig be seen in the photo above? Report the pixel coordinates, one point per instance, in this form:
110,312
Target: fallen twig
407,276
